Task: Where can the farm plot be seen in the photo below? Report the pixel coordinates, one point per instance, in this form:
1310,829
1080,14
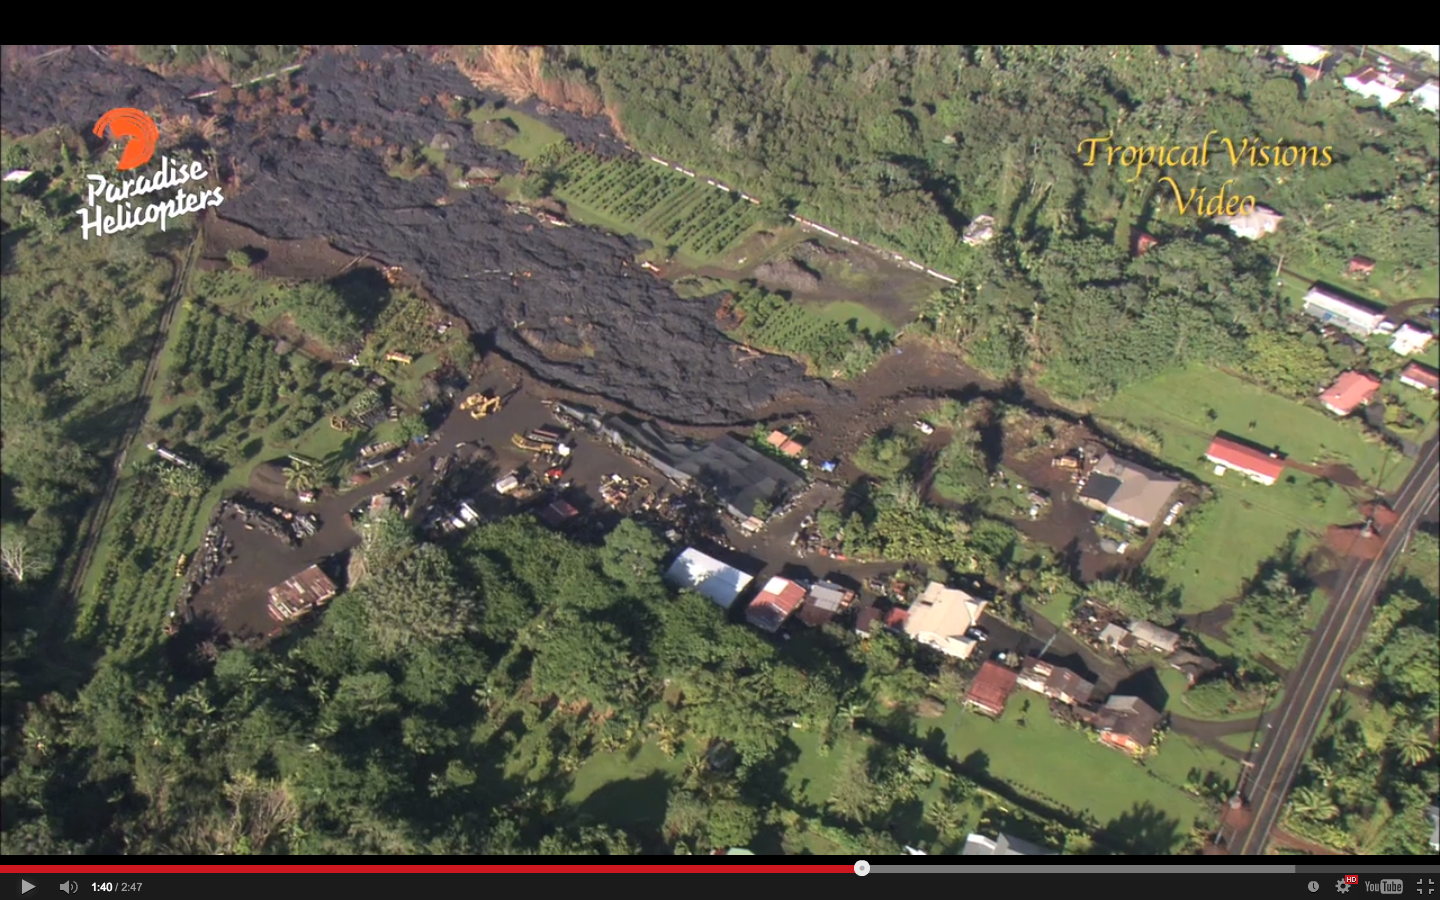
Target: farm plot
770,322
656,203
126,608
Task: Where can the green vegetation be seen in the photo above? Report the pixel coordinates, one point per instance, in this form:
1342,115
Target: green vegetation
80,319
687,217
513,131
1245,522
888,454
317,311
1373,769
770,322
547,696
903,146
124,607
236,61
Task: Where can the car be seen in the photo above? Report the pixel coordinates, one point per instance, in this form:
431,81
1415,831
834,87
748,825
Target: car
977,634
925,427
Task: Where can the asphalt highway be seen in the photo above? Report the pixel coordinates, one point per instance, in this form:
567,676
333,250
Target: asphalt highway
1312,684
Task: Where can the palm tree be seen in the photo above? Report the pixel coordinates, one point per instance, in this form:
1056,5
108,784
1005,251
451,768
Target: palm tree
299,479
1412,744
947,817
1309,803
1322,771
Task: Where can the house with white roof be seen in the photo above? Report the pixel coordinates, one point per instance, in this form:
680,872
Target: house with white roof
1430,50
708,577
1410,340
1303,54
1253,225
1427,96
1371,82
1354,316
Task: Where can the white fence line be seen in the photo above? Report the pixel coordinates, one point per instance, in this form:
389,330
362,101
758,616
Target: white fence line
814,226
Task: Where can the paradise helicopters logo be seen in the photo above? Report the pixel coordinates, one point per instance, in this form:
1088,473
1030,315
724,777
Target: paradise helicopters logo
122,214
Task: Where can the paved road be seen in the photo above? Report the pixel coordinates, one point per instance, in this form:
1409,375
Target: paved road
1313,683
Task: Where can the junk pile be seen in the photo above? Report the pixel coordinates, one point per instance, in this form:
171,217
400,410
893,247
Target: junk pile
282,524
216,552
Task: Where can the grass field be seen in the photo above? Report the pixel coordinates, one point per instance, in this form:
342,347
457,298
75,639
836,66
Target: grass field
533,135
1246,522
1386,285
1064,767
845,312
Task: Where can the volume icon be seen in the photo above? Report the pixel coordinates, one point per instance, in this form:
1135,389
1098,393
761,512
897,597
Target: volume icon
69,887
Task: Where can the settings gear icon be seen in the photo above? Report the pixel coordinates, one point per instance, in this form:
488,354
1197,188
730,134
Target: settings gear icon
1342,886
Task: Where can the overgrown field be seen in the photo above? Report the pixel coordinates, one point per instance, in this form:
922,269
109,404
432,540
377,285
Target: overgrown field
683,215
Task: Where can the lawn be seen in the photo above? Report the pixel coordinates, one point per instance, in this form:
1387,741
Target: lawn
1386,285
533,135
845,312
1063,767
624,790
1246,522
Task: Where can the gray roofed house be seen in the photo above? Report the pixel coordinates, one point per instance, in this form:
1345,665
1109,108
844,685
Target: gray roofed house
1116,638
1002,845
824,600
1128,491
1151,635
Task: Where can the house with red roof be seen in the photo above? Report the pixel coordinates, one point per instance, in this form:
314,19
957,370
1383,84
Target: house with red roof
991,688
1230,454
1421,377
1350,391
774,604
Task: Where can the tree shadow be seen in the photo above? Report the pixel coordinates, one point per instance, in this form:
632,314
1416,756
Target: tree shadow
636,804
364,291
1143,831
976,765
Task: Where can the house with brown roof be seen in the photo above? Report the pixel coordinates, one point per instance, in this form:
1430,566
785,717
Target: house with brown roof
1350,391
991,688
1229,454
1422,377
774,604
297,596
1144,242
557,514
824,601
784,443
1055,682
1127,723
1127,491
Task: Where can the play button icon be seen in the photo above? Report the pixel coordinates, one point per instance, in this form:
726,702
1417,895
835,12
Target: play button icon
26,887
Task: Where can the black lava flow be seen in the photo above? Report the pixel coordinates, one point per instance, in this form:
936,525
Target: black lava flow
593,325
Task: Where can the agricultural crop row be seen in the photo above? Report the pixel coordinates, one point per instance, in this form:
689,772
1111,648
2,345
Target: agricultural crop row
231,358
130,603
658,202
773,323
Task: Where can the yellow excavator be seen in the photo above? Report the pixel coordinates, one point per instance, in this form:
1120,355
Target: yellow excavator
481,405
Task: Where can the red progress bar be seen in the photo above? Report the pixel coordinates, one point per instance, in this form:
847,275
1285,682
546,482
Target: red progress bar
417,869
